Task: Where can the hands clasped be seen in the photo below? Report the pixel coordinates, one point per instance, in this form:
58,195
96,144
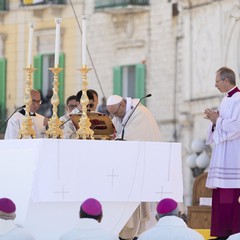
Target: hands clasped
211,115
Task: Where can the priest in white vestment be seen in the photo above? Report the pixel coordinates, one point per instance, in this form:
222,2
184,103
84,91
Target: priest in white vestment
133,122
224,170
39,121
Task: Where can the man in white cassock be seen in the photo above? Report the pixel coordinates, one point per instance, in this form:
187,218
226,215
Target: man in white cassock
224,170
39,121
138,124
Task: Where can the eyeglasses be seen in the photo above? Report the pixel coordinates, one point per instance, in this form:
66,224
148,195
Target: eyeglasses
36,101
72,106
117,109
90,105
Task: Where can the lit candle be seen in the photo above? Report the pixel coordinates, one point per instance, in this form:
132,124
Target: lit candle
57,41
84,44
30,41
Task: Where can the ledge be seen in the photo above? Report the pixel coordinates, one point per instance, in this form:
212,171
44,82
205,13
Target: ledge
38,9
123,10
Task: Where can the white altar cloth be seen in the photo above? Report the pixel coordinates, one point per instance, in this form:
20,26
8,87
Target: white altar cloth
49,178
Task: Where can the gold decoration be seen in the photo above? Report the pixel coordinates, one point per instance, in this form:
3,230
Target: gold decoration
84,131
54,123
26,130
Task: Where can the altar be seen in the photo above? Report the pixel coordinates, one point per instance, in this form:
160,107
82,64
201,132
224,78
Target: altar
49,178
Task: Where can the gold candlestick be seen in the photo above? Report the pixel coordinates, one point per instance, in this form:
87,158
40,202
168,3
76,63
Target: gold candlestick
26,130
54,123
84,131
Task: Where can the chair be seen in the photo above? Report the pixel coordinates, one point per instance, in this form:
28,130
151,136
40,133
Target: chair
199,217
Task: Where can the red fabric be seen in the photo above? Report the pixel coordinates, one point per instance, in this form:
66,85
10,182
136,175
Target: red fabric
225,212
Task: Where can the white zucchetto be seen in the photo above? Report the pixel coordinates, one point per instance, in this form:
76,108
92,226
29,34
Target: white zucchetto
114,99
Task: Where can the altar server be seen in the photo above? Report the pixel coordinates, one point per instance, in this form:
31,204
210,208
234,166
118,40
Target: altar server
224,170
71,104
39,121
88,226
68,127
9,230
170,226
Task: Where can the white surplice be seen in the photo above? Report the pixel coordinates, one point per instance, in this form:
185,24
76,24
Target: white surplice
14,125
224,170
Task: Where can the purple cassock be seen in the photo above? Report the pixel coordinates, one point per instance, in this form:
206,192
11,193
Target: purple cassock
225,212
224,169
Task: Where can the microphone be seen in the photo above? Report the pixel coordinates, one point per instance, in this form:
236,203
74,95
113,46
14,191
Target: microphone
124,125
64,122
23,106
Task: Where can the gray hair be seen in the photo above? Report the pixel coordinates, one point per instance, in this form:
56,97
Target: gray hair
227,73
175,212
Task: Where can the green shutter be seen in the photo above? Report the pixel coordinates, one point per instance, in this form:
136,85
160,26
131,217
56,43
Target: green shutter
37,76
61,85
140,81
3,68
117,81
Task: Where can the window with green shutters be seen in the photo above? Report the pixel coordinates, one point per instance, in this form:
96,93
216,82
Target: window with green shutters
129,81
43,79
3,68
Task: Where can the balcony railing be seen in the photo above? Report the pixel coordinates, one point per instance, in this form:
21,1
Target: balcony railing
41,2
119,3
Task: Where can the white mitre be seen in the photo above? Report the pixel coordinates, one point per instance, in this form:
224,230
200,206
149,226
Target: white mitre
114,99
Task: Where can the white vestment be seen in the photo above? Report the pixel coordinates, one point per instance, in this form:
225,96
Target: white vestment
67,127
14,125
171,228
11,231
88,229
224,170
141,126
235,236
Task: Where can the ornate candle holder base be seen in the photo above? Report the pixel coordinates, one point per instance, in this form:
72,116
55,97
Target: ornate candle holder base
84,131
26,131
54,123
54,130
